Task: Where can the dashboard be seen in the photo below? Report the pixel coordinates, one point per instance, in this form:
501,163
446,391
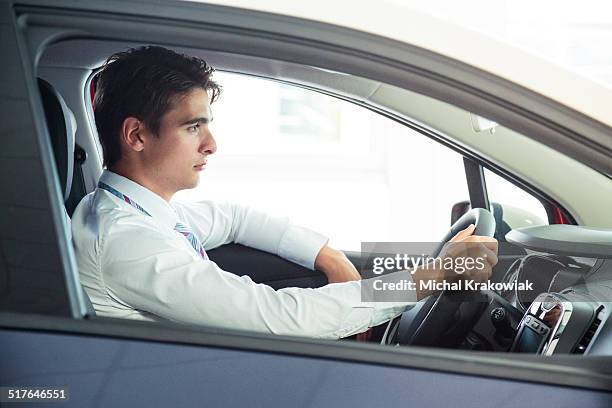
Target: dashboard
567,306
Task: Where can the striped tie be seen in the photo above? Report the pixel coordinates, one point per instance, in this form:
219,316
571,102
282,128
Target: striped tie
181,228
193,240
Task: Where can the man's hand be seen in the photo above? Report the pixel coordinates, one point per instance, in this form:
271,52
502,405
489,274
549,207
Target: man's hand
461,247
336,266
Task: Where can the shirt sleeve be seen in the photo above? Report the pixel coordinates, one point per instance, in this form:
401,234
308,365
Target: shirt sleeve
219,223
144,270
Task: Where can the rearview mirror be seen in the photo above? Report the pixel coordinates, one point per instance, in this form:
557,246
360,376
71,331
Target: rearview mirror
480,124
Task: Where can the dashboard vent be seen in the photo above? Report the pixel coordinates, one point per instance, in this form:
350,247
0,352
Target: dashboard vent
588,336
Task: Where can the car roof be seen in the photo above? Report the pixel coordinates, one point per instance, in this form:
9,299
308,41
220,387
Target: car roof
468,46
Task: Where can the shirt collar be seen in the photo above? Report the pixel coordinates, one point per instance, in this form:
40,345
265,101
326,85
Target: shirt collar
161,211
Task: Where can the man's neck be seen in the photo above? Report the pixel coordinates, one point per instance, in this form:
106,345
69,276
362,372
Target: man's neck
139,178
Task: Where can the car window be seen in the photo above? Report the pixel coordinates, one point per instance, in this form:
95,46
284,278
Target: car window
328,164
518,208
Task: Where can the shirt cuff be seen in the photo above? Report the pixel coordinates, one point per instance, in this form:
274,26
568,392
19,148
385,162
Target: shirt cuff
361,314
301,245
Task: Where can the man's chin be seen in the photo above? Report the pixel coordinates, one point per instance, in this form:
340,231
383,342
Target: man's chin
191,185
194,183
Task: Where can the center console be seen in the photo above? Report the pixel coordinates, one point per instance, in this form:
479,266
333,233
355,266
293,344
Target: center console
554,324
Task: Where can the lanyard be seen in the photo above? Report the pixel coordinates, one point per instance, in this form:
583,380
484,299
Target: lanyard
180,228
122,196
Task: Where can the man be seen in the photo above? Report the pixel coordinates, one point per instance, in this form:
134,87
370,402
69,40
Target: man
142,257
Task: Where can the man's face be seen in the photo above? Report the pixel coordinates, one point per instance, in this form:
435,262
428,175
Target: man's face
175,157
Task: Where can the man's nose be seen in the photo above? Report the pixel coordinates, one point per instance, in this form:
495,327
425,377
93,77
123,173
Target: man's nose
209,145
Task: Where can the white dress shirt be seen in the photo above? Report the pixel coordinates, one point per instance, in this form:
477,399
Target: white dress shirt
137,266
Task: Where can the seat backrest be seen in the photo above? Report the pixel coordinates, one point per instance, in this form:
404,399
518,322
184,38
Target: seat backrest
62,130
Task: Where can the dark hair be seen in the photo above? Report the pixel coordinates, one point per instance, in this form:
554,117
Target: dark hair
144,83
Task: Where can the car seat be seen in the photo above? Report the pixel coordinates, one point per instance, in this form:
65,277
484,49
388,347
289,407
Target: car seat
61,124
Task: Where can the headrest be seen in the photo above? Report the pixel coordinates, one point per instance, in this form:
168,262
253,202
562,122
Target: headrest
62,129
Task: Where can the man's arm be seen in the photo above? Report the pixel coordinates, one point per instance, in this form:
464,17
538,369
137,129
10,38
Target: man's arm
219,223
159,276
336,266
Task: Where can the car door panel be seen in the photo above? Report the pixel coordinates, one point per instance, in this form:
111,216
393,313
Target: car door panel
105,371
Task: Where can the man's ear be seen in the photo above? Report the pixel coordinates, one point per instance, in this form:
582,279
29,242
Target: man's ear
133,133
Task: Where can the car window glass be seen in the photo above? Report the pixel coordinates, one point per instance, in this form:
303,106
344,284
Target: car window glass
328,164
518,207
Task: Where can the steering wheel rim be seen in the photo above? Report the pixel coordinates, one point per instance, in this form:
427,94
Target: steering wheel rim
435,315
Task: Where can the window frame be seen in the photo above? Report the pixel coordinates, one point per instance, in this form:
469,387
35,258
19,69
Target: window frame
432,359
556,213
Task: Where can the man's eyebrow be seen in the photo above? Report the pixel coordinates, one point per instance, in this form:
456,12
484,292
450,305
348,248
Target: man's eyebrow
193,121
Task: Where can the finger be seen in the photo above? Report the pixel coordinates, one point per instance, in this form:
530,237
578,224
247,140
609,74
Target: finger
484,260
479,238
464,233
483,251
489,242
491,245
489,256
452,250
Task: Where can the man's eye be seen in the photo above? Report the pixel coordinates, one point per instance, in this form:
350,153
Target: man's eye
193,129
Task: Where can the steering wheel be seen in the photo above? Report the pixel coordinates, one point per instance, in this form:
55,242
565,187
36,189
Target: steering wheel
444,318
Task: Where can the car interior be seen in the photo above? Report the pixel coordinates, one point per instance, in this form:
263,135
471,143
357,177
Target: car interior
570,265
